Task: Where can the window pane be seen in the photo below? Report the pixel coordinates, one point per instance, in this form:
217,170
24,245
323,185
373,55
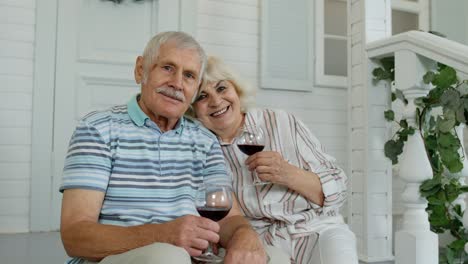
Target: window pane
335,57
404,21
335,17
288,40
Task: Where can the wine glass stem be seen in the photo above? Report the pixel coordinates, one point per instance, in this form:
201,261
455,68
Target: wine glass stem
209,250
257,180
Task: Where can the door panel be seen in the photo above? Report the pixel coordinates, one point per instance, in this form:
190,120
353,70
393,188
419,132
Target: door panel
97,44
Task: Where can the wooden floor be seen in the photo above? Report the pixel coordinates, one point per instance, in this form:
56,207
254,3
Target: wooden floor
38,248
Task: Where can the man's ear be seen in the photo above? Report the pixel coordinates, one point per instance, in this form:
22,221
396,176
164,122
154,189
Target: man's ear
139,72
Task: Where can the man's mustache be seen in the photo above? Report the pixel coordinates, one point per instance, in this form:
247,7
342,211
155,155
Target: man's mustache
171,92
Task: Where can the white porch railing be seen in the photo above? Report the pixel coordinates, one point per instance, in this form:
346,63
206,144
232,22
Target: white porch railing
415,53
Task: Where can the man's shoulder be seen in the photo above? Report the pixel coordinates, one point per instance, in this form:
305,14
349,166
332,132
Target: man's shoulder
195,126
106,115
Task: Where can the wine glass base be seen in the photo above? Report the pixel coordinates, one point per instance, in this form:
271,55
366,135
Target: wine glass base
209,258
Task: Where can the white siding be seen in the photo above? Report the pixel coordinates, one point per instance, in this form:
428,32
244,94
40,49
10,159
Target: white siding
230,29
17,21
371,188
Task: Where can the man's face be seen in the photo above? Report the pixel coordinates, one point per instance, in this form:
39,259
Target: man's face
171,82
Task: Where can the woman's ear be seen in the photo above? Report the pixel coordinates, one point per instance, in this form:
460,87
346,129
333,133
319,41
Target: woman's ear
139,71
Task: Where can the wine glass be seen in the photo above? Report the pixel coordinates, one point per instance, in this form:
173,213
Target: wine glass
251,140
214,202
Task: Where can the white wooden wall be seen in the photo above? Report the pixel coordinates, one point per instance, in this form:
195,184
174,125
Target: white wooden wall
371,186
228,28
17,21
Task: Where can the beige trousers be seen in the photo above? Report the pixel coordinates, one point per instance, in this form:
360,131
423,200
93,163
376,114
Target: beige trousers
162,253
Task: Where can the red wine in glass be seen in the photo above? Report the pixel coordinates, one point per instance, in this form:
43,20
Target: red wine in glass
250,149
213,213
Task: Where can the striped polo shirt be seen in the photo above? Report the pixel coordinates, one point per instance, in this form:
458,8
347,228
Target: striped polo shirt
148,176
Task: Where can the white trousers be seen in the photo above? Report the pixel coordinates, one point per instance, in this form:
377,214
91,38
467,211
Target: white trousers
336,245
332,244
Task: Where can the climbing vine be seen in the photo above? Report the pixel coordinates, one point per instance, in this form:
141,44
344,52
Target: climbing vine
437,115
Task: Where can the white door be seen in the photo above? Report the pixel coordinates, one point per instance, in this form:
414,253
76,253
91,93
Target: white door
97,44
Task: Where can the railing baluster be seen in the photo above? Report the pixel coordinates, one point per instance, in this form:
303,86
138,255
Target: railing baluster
414,243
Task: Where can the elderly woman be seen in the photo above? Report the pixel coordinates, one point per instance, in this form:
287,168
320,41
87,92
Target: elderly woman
298,210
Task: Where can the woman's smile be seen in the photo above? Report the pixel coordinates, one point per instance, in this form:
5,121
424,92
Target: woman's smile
220,112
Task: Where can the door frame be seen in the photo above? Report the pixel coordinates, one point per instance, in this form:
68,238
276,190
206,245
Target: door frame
178,14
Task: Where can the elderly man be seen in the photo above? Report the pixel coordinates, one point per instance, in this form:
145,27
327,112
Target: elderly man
131,172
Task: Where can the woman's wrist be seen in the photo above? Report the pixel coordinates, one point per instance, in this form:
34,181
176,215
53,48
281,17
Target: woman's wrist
290,175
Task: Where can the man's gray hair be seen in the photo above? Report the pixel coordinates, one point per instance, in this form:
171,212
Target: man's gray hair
182,41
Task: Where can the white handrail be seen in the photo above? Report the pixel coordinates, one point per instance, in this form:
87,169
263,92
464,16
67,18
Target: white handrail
415,53
422,43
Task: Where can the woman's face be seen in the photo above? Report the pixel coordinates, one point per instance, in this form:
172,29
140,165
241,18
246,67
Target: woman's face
218,107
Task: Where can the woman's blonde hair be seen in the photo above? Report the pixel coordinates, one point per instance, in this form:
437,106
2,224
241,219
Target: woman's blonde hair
215,71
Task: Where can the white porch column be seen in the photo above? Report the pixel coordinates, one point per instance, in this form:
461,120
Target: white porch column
370,198
414,243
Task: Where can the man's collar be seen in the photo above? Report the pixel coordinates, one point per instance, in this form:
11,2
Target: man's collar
134,111
140,118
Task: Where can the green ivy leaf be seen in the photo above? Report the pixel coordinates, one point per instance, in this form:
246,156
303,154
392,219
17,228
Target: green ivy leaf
389,115
447,140
441,66
433,97
449,254
457,209
451,192
403,123
429,188
451,159
400,95
433,200
388,63
393,149
381,74
431,142
377,73
454,166
448,113
393,97
446,77
460,114
457,244
430,184
450,99
438,216
405,132
445,125
428,77
419,101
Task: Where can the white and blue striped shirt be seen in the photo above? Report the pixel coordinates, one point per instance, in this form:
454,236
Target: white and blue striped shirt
148,176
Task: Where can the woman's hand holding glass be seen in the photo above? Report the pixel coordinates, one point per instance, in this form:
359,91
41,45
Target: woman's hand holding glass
250,141
270,166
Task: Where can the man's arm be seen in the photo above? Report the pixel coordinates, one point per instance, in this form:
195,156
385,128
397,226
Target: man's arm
84,237
240,240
